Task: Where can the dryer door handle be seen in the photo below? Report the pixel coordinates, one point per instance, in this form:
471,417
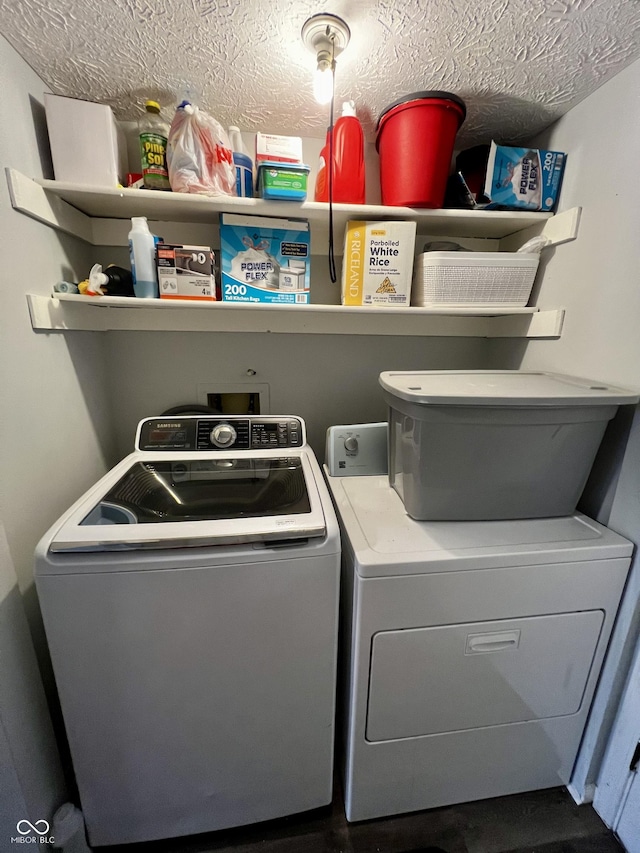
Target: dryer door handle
494,642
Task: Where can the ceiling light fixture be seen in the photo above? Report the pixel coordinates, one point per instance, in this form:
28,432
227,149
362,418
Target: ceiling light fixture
327,36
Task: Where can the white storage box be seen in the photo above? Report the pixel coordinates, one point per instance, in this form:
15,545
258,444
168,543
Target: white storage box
87,144
485,445
470,279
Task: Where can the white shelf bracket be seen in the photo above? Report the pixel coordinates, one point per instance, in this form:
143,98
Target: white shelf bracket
31,199
53,315
560,228
542,324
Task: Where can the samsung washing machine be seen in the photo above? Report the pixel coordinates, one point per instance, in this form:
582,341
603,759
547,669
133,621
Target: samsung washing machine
472,649
190,602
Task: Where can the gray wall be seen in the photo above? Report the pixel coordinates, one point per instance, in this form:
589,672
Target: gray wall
327,379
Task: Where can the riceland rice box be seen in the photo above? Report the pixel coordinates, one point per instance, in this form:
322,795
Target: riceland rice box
264,259
378,263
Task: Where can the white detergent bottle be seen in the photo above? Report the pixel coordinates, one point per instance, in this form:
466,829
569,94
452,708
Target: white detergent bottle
142,251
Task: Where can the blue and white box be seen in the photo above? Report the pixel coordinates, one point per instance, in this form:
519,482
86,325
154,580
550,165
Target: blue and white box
523,178
265,259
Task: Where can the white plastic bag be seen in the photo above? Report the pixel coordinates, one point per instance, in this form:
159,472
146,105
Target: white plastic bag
199,156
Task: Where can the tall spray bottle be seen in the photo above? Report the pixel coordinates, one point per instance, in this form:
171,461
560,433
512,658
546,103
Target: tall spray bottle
348,160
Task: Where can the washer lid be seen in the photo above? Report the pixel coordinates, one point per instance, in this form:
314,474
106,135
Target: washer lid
153,500
501,388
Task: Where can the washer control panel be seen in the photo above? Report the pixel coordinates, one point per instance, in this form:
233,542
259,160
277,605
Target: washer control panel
220,432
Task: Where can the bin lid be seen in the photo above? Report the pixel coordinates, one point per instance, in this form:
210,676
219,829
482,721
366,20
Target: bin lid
422,96
501,388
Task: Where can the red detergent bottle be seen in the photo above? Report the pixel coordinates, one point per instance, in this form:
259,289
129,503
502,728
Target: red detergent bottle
348,161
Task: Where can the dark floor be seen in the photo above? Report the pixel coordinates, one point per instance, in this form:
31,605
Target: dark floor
539,822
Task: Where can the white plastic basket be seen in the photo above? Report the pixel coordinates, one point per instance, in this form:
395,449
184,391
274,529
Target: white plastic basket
471,279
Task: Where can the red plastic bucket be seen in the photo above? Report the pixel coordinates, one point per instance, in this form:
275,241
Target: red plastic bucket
415,138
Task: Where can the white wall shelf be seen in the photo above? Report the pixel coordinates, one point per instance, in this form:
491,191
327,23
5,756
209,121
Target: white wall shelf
181,207
67,312
100,215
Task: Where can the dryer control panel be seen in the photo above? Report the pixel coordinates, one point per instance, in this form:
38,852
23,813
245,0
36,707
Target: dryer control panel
220,432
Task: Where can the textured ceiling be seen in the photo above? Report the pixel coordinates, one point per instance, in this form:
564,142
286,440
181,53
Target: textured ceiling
519,64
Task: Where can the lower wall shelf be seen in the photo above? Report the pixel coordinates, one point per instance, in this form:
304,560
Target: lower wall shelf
66,312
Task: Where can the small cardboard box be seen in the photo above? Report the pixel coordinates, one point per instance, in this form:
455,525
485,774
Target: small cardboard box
185,272
378,263
523,178
265,259
280,149
87,144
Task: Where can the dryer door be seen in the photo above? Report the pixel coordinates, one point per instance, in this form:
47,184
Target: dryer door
456,677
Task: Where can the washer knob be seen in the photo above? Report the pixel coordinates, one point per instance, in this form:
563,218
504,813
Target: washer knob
223,435
351,444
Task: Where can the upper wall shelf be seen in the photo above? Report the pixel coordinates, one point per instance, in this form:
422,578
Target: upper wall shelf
100,215
65,312
180,207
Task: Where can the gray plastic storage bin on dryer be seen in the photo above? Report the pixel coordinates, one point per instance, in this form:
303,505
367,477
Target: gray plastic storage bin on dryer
487,445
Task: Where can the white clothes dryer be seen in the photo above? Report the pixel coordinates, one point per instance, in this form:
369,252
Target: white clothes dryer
190,602
472,649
